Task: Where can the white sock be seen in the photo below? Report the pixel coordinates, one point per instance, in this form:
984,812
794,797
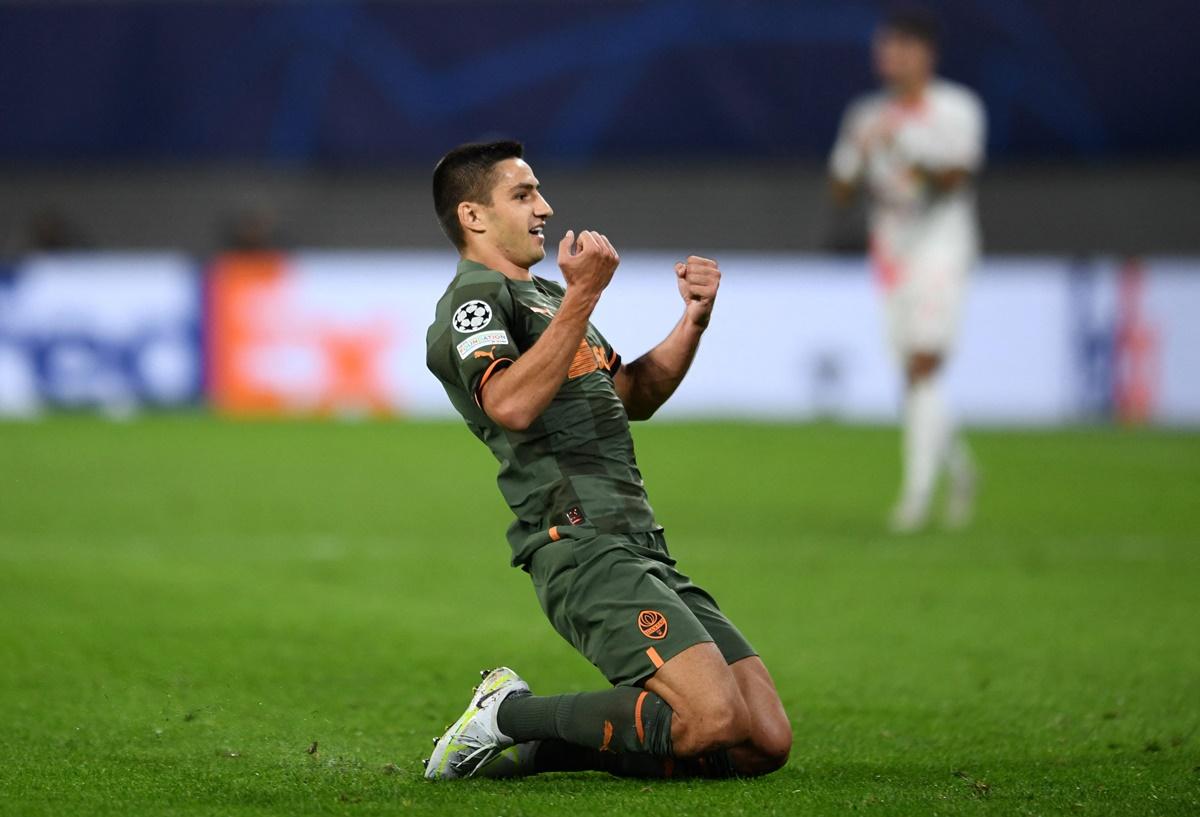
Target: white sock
960,463
927,432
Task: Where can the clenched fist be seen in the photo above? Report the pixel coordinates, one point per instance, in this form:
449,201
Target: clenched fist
587,263
699,279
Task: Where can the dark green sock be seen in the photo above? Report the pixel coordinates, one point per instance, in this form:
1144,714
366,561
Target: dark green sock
618,720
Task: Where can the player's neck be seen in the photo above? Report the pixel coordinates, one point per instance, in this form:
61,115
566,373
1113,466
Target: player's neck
496,260
910,94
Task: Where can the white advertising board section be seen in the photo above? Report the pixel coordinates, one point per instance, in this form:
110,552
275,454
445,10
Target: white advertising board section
805,338
108,331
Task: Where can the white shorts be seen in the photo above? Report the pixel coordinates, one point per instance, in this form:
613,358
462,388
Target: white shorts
923,304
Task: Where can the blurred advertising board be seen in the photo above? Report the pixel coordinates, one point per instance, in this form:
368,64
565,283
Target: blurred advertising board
1044,341
114,332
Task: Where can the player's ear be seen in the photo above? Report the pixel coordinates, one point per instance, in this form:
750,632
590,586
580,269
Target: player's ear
470,216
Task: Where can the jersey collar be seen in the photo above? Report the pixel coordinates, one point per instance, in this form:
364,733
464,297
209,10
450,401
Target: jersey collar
466,265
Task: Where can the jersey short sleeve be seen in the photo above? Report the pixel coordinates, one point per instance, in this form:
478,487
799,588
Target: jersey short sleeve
611,358
960,127
480,334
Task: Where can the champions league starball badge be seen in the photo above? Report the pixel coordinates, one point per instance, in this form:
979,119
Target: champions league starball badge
472,316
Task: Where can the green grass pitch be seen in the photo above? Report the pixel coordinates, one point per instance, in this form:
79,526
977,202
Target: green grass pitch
203,617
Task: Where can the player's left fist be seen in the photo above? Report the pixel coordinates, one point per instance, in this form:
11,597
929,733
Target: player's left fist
698,279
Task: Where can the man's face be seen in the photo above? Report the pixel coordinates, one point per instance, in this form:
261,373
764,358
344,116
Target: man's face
902,59
516,218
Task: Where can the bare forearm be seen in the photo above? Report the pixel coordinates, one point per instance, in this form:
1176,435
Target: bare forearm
518,395
647,383
842,192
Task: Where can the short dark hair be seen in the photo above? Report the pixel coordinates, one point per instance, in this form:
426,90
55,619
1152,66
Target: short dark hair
465,174
917,22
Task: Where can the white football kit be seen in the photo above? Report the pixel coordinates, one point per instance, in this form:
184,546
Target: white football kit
923,243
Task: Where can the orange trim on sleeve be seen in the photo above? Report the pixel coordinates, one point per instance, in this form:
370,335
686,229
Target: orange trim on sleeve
655,658
637,717
554,534
612,360
488,373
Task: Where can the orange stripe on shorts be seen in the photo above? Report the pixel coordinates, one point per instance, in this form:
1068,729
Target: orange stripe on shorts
637,717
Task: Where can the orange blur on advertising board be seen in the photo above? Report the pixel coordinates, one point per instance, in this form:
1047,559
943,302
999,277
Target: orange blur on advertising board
279,343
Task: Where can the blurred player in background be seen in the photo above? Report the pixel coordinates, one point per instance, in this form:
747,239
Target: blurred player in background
915,147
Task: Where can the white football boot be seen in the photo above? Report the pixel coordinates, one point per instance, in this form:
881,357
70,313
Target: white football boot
909,515
475,738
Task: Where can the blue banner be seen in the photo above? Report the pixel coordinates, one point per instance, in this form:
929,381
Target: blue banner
370,82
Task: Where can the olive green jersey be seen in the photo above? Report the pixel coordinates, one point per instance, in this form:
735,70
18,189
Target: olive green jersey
573,470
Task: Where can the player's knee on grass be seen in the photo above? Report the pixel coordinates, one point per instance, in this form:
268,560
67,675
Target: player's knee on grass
718,721
771,732
769,748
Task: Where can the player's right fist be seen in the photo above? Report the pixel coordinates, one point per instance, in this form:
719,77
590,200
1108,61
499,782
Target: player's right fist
587,262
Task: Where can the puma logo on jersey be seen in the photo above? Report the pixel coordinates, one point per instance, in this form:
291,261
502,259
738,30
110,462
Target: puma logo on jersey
490,354
541,310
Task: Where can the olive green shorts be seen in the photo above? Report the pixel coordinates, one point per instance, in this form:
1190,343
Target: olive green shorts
618,599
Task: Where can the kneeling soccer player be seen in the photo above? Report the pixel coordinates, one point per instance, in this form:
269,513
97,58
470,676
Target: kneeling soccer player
542,388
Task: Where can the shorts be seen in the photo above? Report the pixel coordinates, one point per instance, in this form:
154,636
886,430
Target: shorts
923,299
618,599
